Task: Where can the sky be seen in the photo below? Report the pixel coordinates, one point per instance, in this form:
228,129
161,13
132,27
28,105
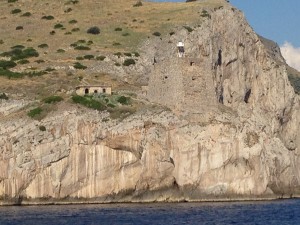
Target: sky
278,20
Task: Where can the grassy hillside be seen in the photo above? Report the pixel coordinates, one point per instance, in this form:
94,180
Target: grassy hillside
57,31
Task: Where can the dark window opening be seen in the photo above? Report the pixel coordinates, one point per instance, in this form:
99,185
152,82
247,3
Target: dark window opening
166,77
104,90
95,91
86,91
192,63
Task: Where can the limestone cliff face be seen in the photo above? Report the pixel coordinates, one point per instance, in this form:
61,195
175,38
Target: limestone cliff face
232,131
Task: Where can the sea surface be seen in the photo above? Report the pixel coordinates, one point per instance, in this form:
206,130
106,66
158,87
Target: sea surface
263,212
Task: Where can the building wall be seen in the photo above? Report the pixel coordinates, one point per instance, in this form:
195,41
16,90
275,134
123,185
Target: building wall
183,84
93,90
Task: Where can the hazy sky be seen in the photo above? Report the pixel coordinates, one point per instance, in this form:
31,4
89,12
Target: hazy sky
278,20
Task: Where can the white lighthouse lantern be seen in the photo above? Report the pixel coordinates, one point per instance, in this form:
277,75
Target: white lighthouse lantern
180,46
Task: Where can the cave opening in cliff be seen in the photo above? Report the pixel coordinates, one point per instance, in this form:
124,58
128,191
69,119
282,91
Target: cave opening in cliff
247,96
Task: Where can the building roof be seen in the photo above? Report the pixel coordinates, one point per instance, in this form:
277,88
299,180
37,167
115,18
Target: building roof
91,86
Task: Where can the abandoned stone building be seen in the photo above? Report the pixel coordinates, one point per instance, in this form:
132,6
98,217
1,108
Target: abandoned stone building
93,89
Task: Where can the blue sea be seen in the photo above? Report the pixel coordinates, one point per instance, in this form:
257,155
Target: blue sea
263,212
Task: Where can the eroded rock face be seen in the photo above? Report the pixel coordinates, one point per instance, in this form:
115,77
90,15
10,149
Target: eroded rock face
232,131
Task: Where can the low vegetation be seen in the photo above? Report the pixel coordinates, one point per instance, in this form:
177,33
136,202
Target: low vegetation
3,96
42,128
129,62
156,33
26,14
101,57
89,102
48,17
18,53
53,99
79,66
118,106
93,30
43,46
15,11
189,29
35,112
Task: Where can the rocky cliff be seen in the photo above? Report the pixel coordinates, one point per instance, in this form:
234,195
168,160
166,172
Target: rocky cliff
231,129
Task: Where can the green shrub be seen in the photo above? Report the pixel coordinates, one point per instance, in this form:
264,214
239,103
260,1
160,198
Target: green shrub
9,74
127,54
156,34
11,1
138,4
23,61
89,57
68,33
7,64
48,17
205,14
3,96
72,21
136,54
81,41
18,46
1,42
116,44
43,46
90,42
81,47
79,66
15,11
68,10
79,58
58,26
128,62
42,128
101,57
52,99
75,29
117,64
60,50
124,100
125,34
18,53
172,33
34,112
189,29
29,52
118,29
52,32
72,2
19,28
88,102
27,14
119,54
93,30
